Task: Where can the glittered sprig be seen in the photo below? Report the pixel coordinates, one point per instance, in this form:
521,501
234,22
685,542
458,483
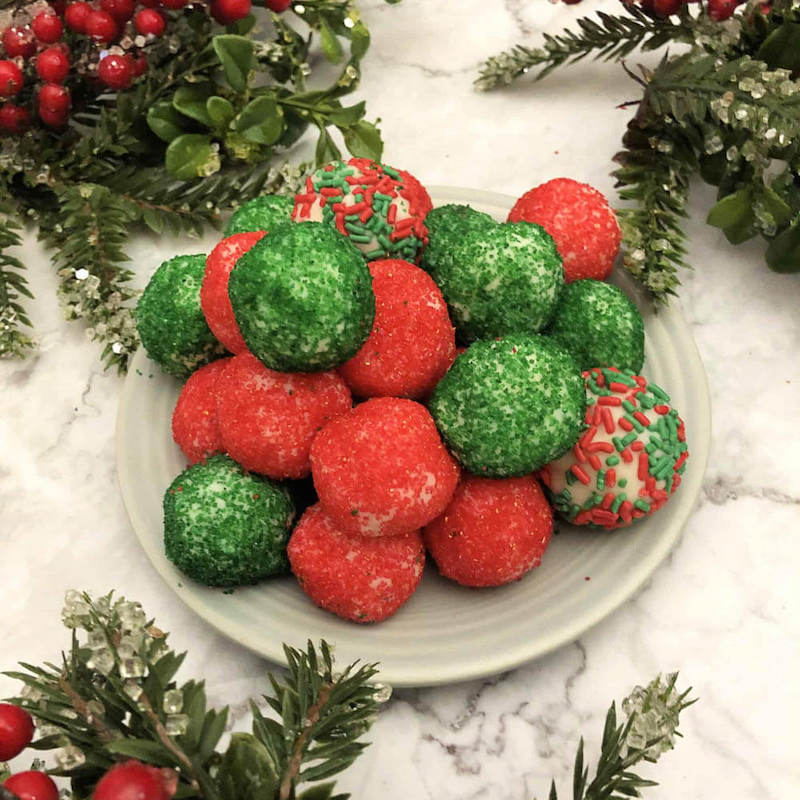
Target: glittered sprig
14,342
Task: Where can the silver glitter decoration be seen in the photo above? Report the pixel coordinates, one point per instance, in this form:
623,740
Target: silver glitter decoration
131,668
382,692
70,757
177,724
173,701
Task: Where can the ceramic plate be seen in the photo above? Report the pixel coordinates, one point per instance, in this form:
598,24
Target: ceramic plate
445,633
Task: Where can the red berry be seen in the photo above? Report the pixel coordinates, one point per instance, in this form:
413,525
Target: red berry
139,65
570,2
47,27
228,11
720,10
10,78
136,781
32,785
173,4
13,119
52,65
148,3
278,6
665,8
116,71
121,10
53,98
149,22
100,26
16,725
19,42
77,15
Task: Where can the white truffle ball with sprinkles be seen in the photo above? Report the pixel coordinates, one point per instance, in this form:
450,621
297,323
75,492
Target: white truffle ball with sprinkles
381,209
628,461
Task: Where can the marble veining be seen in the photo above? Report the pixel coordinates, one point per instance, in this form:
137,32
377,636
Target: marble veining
723,607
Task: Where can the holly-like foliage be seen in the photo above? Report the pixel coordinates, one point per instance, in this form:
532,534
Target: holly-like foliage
727,110
202,132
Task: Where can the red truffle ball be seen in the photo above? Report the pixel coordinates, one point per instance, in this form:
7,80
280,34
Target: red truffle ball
382,469
194,421
580,221
359,578
412,343
492,532
269,419
214,291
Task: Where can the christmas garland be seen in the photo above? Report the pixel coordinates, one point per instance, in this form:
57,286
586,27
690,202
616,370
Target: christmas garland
728,110
117,723
116,119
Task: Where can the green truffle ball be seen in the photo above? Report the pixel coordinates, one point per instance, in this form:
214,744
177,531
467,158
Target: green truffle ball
171,324
599,326
303,298
261,214
501,279
224,526
509,406
446,226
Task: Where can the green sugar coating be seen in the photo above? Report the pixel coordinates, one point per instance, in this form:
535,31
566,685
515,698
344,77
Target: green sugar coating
303,298
599,326
170,321
261,214
501,279
509,406
224,526
446,227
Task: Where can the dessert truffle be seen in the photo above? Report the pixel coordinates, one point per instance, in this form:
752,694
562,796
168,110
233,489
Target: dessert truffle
378,207
508,406
599,326
261,214
492,532
224,527
382,469
500,280
630,458
302,297
267,420
214,291
194,420
447,225
412,342
170,320
580,220
356,577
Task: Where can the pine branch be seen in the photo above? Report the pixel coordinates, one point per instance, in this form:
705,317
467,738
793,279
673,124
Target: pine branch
14,343
610,37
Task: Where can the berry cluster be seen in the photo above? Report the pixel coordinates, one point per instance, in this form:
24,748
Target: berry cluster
40,44
718,10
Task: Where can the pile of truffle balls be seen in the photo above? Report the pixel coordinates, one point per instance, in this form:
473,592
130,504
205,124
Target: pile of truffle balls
369,379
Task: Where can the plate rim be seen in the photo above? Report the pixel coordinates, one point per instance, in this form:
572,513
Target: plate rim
499,661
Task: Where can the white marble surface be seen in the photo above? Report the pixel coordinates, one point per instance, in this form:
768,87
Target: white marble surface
723,608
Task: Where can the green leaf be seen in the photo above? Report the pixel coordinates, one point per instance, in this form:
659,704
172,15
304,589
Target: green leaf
295,127
783,253
191,100
190,156
348,116
260,121
248,770
326,149
331,46
220,111
359,41
363,140
781,49
776,206
734,215
144,749
242,26
213,728
237,56
322,791
165,121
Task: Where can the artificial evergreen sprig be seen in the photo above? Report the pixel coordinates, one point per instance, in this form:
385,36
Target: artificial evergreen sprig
653,714
727,110
114,697
14,342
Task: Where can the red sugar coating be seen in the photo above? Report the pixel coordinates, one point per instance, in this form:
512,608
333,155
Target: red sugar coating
382,469
214,292
493,531
416,194
412,343
194,420
580,221
359,578
268,419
